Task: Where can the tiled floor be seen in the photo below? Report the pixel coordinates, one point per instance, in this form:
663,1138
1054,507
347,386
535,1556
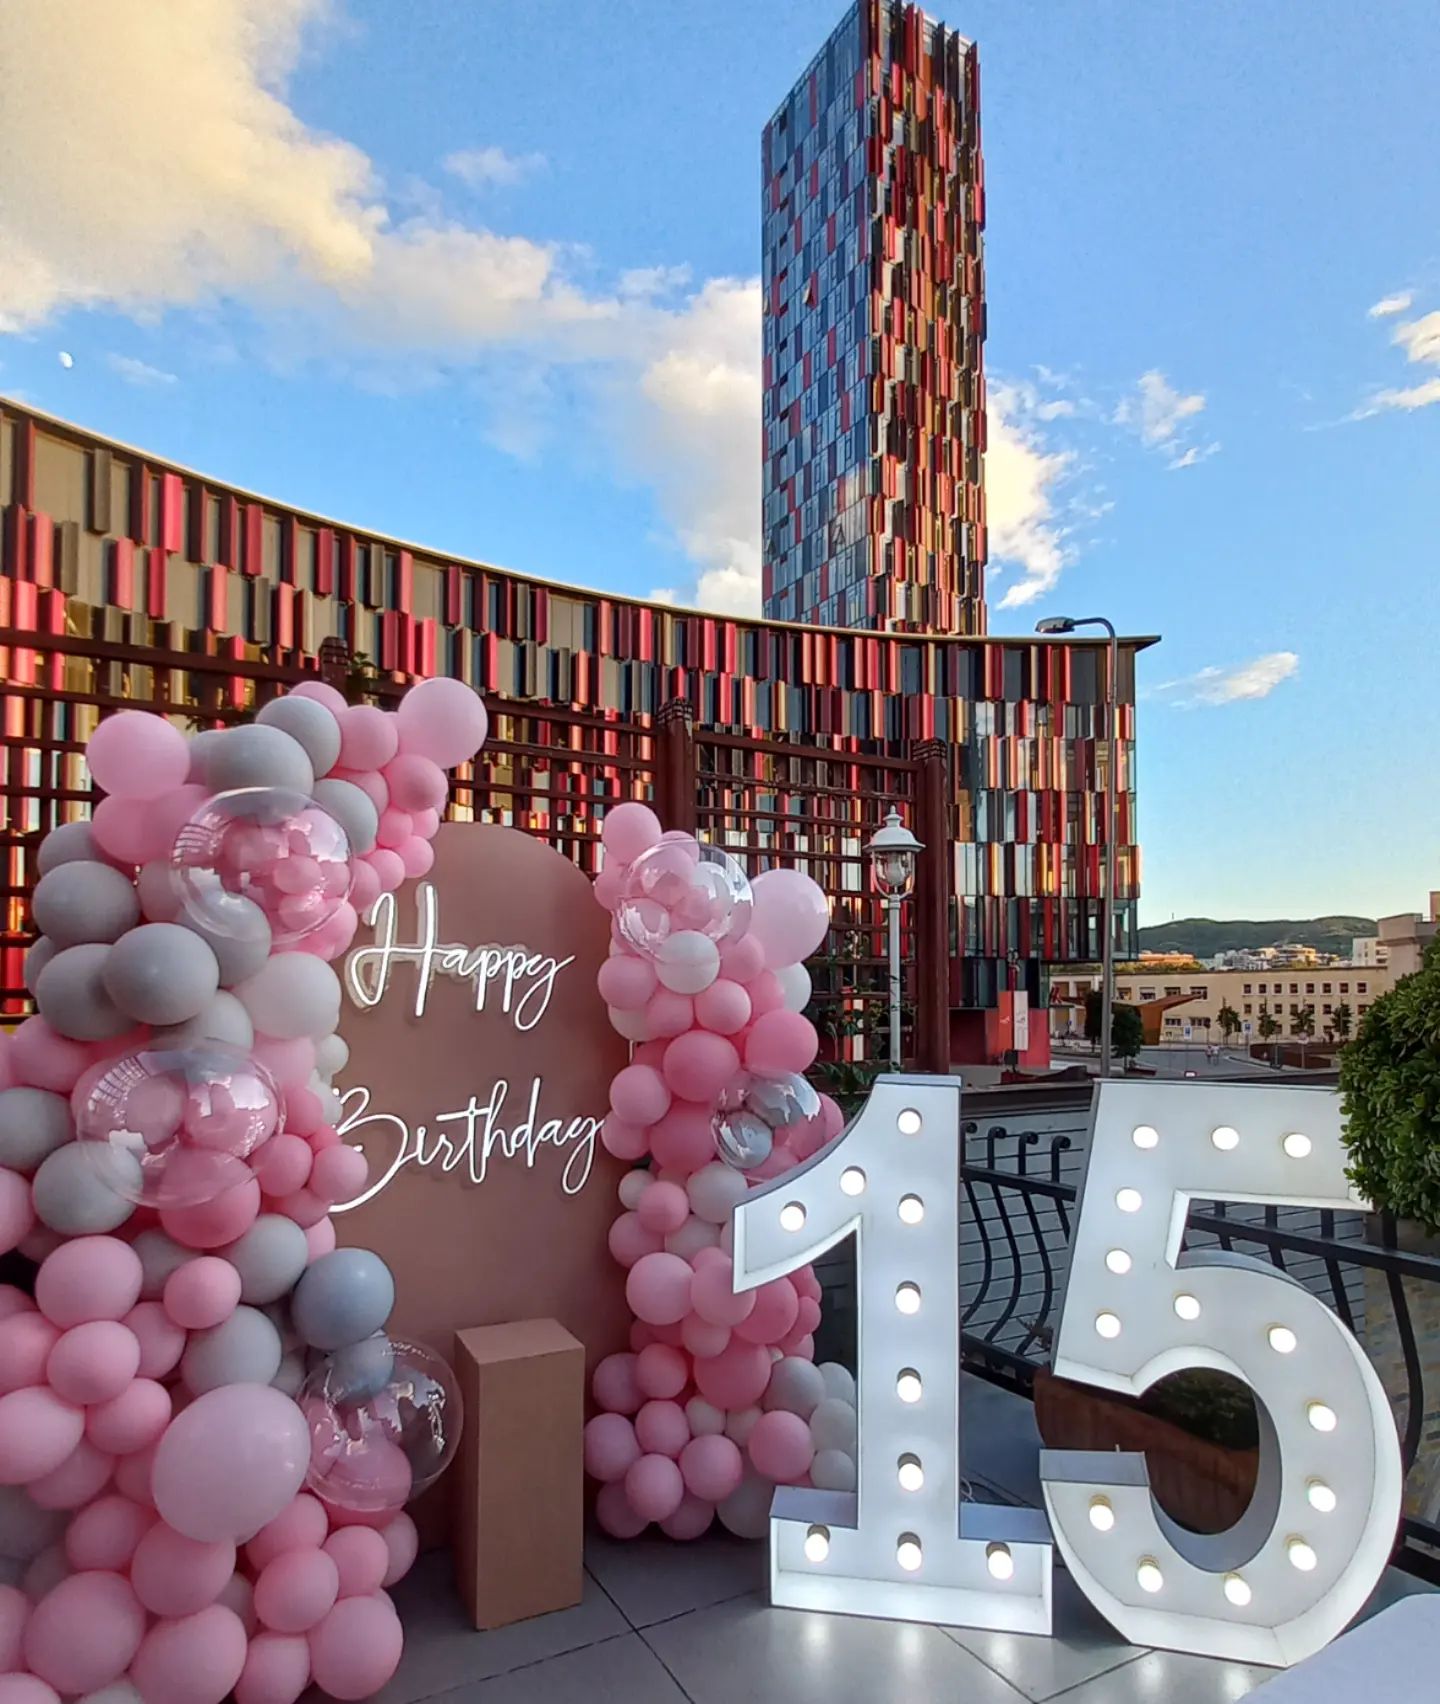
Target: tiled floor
664,1623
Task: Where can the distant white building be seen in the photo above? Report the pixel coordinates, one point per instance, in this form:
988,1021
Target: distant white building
1369,950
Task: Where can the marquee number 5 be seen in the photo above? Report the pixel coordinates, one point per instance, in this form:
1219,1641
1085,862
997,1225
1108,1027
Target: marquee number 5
1307,1552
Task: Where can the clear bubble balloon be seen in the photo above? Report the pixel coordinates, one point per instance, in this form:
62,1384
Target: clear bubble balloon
262,859
172,1127
376,1443
756,1110
679,885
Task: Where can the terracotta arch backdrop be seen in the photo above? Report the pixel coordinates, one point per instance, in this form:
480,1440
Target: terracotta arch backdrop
480,1063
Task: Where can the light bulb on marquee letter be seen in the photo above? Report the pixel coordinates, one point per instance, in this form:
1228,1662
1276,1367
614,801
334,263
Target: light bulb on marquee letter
902,1545
1300,1562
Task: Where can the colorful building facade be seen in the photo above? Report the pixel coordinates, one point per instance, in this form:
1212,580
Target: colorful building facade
133,571
874,324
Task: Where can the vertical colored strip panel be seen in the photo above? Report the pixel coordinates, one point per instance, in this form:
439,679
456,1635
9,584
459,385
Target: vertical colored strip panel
157,574
254,562
405,581
41,542
228,551
122,573
23,463
217,599
172,512
325,562
139,503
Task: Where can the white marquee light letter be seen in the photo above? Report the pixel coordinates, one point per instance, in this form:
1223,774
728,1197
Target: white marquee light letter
903,1546
1304,1557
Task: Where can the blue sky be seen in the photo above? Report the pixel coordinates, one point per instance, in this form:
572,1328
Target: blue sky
481,274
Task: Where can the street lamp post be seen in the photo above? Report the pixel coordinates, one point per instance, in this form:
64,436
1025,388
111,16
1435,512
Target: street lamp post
892,852
1068,624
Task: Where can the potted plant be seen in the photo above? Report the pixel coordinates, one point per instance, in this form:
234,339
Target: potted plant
1390,1087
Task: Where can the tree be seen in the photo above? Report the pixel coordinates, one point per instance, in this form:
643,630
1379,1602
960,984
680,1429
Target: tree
1127,1031
1344,1020
1270,1025
1390,1087
1229,1021
1304,1022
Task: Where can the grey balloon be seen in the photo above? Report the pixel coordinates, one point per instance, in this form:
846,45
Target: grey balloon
162,973
257,756
69,843
42,950
239,936
291,1375
72,997
359,1372
343,1297
159,1257
245,1349
224,1019
26,1529
33,1124
84,902
201,745
72,1192
269,1258
311,724
353,809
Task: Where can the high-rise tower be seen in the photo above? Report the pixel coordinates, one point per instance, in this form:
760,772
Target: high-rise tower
874,418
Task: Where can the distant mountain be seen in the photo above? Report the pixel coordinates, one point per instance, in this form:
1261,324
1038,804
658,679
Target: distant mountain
1204,937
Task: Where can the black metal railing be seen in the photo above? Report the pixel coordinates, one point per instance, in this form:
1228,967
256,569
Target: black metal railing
1018,1189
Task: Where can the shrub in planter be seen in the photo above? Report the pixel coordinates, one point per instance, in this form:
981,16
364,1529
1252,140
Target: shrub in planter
1390,1084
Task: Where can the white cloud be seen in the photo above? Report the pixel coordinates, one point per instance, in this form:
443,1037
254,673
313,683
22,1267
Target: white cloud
1231,684
1387,305
1420,341
136,372
492,168
1157,409
646,281
1193,456
1022,473
1420,338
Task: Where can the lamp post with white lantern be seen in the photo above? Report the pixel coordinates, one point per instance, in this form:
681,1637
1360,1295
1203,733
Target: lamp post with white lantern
892,851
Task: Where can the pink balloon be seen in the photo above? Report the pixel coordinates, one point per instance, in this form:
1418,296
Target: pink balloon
296,1590
766,995
714,1295
14,1612
323,693
282,1164
629,1240
26,1689
175,1575
125,831
368,737
741,960
130,1422
403,1543
613,1384
340,1174
26,1340
84,1633
13,1300
395,829
639,1096
212,1224
699,1065
200,1294
791,916
17,1216
230,1462
161,1341
364,886
134,1477
290,1063
105,1533
83,1475
613,1513
37,1433
691,1520
417,856
658,1289
626,983
301,1525
780,1042
629,830
663,1208
356,1648
736,1377
807,1315
624,1141
443,720
660,1371
654,1487
668,1014
135,755
238,1594
780,1446
701,1337
806,1284
427,823
723,1007
319,1240
93,1362
194,1660
389,868
43,1059
611,1447
361,1558
712,1467
662,1429
684,1140
641,1335
416,784
774,1314
277,1669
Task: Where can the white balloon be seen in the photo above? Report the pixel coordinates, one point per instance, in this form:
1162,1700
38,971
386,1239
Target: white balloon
692,1236
256,756
833,1426
633,1185
353,809
746,1511
224,1019
795,1386
740,1423
794,982
706,1420
714,1190
634,1026
832,1470
332,1054
68,843
687,962
311,724
839,1381
293,995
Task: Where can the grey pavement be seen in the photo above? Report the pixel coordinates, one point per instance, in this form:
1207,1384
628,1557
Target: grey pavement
665,1623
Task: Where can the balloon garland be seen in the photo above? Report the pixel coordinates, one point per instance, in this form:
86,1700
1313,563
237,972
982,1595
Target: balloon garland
206,1437
718,1398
